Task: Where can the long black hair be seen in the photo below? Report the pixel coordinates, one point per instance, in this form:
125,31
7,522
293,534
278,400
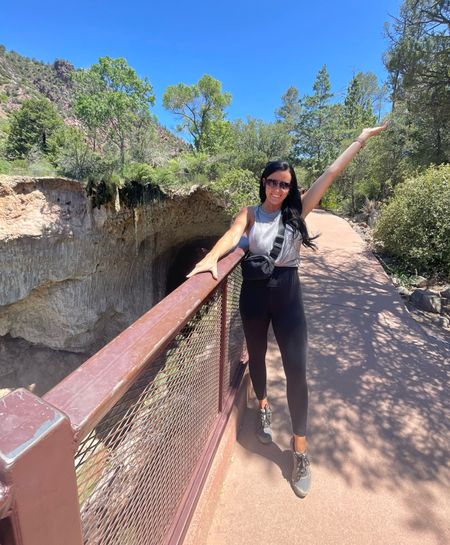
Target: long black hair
291,208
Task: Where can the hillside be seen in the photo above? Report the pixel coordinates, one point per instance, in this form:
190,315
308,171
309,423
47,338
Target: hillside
22,78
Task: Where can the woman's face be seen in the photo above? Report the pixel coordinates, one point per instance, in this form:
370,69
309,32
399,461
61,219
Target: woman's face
275,194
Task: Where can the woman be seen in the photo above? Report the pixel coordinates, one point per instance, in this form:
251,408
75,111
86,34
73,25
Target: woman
278,299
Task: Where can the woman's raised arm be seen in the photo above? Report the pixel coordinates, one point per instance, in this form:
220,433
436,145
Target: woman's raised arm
228,241
312,197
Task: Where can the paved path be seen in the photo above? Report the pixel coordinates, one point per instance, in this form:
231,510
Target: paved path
379,419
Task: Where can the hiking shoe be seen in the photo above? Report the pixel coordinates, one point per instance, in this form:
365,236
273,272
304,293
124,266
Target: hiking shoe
263,429
301,473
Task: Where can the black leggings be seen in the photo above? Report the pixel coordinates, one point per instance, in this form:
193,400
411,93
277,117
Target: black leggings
278,300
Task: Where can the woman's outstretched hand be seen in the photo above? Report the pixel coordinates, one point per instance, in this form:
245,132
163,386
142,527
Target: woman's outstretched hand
208,263
373,131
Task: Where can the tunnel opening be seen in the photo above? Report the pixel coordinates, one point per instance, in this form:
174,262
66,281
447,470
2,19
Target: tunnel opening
183,259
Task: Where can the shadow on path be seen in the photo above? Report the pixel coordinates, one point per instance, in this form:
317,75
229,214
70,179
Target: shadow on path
379,412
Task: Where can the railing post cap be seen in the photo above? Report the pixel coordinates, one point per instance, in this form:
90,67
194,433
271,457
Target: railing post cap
24,417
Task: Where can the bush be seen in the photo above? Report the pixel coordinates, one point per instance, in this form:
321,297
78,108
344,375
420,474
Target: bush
41,167
138,172
332,200
238,188
101,192
74,158
139,185
189,169
5,166
18,167
414,226
4,131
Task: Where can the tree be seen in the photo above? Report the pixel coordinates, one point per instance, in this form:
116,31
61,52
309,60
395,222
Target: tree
199,107
219,138
418,61
316,136
289,112
142,140
372,93
72,156
112,99
31,126
257,142
357,111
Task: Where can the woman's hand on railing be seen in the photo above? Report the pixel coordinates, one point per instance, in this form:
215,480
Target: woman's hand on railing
208,263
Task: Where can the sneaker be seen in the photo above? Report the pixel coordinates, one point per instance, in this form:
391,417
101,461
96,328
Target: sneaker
301,473
263,430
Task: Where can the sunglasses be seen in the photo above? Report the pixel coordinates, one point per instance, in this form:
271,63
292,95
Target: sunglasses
284,186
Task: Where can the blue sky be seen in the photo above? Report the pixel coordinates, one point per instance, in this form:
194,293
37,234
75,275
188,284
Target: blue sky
257,49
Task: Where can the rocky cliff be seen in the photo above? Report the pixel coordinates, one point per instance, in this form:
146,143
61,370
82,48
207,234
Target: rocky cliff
73,276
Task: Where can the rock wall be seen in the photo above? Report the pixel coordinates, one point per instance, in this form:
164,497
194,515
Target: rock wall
73,276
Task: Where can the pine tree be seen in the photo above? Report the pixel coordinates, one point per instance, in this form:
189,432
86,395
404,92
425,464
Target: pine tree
316,135
419,77
289,112
31,127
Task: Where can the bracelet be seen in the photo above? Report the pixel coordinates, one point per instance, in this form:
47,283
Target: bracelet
361,141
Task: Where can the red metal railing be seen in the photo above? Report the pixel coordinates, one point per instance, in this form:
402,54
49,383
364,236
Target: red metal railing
119,450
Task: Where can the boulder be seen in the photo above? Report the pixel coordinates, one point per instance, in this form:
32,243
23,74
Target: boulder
404,292
426,300
441,321
446,293
419,281
444,321
445,306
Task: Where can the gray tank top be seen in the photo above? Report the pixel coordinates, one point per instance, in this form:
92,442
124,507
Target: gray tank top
262,236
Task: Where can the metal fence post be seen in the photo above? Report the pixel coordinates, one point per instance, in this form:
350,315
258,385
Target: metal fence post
37,465
223,342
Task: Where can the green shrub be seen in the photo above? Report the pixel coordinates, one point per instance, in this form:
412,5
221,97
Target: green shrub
101,192
139,185
19,167
41,167
138,172
4,131
5,166
189,169
414,226
238,188
332,200
73,157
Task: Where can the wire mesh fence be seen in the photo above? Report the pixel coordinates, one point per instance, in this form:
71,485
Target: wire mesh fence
135,465
236,341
